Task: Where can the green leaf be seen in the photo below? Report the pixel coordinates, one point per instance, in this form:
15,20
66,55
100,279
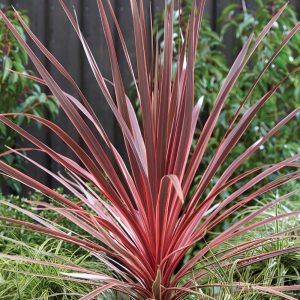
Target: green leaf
3,129
52,108
43,98
7,64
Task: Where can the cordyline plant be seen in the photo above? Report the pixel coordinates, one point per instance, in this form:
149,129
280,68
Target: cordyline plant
141,217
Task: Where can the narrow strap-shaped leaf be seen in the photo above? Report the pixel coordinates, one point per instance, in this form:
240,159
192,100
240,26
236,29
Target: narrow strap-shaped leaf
119,160
57,65
209,125
105,187
251,216
74,116
144,91
168,183
239,160
202,142
165,93
232,139
95,293
217,241
273,184
267,65
235,194
186,110
84,243
51,264
143,179
120,91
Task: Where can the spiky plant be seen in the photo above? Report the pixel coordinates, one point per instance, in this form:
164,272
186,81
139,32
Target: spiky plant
143,219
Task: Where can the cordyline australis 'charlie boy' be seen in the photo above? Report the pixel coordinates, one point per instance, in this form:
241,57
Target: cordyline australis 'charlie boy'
148,222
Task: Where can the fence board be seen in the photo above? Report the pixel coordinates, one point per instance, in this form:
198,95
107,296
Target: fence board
63,42
5,2
93,32
229,36
157,6
124,16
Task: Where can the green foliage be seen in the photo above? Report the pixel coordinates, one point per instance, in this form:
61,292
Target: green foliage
278,271
18,93
30,237
243,22
212,67
23,280
18,278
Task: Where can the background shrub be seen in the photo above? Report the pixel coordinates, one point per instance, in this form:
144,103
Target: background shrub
18,93
212,67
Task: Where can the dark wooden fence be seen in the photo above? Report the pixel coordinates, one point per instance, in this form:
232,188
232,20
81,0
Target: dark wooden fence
53,29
